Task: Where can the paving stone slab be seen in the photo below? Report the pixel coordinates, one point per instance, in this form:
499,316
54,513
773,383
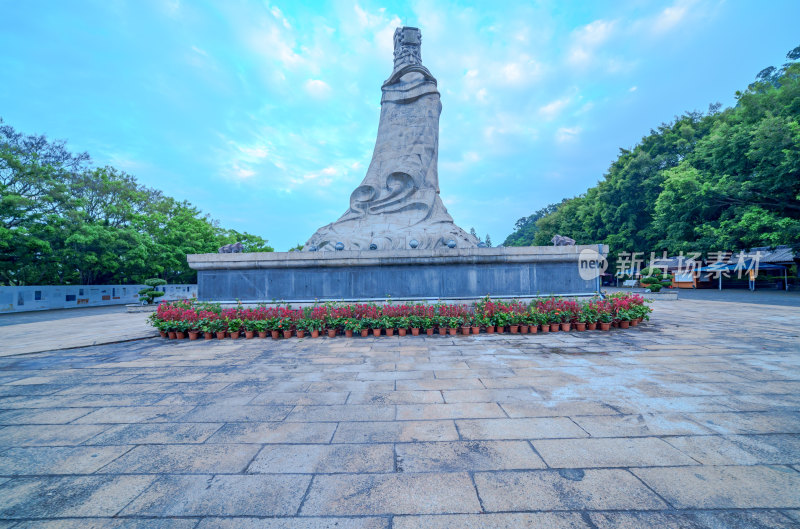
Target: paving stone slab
574,489
492,521
58,460
610,452
448,411
391,494
641,425
777,449
274,432
51,497
734,519
321,459
543,408
750,422
349,412
466,456
155,433
725,487
527,428
110,523
193,459
398,431
295,523
49,435
223,495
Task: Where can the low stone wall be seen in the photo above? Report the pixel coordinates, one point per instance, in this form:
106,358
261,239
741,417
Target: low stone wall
459,273
47,297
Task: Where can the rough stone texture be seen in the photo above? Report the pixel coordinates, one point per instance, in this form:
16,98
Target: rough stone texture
671,424
398,200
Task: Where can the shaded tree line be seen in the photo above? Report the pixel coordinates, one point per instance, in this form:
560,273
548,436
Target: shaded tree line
721,180
64,221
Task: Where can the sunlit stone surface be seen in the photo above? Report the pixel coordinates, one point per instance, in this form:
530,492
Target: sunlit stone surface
398,201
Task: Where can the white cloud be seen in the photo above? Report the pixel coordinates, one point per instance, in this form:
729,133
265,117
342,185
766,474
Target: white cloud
565,134
633,88
669,18
588,39
552,109
317,89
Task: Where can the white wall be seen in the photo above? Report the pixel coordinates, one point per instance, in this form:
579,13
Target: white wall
20,299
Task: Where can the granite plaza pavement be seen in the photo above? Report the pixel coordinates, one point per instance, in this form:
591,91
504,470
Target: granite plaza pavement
691,420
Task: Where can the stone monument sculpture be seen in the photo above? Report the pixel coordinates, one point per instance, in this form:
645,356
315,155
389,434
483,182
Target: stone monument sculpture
562,240
397,205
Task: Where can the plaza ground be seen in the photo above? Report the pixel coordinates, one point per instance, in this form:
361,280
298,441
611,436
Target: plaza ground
691,420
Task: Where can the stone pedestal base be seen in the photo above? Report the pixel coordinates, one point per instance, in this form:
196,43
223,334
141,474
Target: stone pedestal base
461,273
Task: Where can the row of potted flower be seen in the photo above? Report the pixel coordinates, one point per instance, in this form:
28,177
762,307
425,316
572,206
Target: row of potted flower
179,319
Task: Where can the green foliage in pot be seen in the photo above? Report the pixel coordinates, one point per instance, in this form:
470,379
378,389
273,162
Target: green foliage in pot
149,294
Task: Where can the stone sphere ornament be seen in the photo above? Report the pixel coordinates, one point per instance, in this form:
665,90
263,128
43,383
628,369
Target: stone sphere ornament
451,243
339,246
312,248
373,246
413,243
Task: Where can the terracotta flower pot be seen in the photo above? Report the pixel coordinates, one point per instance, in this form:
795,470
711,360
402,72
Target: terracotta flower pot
180,335
220,335
465,330
624,324
580,326
194,335
500,329
315,333
634,322
414,331
235,335
163,334
249,334
348,333
452,331
301,334
287,334
389,332
533,329
554,327
208,335
331,333
402,332
524,329
364,333
490,329
513,329
275,334
566,326
615,324
545,327
376,332
171,335
591,326
429,332
476,329
605,326
262,334
442,330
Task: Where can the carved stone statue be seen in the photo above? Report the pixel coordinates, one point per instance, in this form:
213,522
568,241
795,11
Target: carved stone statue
231,248
398,200
562,240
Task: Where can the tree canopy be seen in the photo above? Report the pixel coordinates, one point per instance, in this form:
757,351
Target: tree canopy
63,221
720,180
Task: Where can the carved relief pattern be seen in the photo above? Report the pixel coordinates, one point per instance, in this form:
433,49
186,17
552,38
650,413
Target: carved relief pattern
398,199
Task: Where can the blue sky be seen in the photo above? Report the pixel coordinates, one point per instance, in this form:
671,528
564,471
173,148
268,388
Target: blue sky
264,113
